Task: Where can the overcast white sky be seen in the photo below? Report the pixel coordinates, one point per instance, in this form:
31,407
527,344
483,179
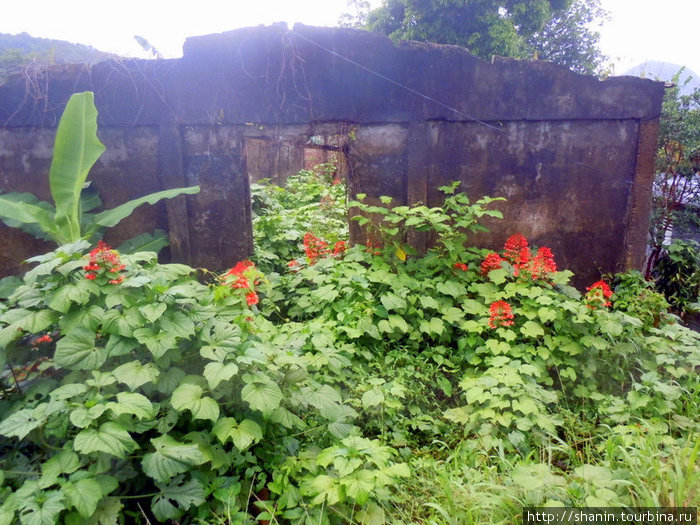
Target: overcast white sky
639,30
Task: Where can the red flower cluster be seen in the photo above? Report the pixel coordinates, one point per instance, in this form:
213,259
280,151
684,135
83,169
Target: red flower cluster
246,278
103,258
43,339
372,247
542,264
598,294
316,249
491,262
501,314
460,266
517,252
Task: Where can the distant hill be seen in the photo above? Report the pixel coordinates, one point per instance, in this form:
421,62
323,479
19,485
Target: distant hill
18,51
665,71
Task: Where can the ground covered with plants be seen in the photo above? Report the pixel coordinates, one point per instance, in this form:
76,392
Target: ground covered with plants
327,383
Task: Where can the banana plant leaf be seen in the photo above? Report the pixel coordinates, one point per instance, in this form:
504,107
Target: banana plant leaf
76,150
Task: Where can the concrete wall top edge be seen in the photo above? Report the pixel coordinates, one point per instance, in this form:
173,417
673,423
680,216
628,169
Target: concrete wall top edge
271,75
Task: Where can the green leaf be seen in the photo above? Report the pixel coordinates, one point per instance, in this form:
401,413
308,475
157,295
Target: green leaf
77,351
66,295
75,151
132,403
84,495
114,216
261,393
153,311
532,329
326,293
44,513
321,397
157,341
145,242
134,374
611,327
428,302
184,496
65,462
171,457
359,485
498,276
189,397
372,398
216,372
451,288
392,301
111,438
16,212
20,423
243,434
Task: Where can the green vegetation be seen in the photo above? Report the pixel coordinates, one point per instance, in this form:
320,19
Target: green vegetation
364,384
17,52
559,31
68,220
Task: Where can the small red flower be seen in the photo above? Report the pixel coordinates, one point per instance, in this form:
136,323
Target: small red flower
240,268
339,248
314,247
516,250
251,298
598,294
543,263
90,276
104,258
501,314
491,262
460,266
293,263
44,339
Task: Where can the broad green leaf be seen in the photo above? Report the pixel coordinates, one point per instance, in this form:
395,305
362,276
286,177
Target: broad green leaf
45,512
532,329
170,457
145,242
261,393
112,217
111,438
451,288
359,485
65,462
153,311
82,417
392,301
533,477
321,397
185,496
243,434
611,327
453,315
157,341
64,392
498,276
428,302
77,351
75,151
216,372
16,212
132,403
20,423
78,293
134,374
84,495
326,293
189,397
372,398
109,511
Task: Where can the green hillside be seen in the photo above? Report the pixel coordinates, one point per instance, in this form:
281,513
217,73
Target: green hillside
18,51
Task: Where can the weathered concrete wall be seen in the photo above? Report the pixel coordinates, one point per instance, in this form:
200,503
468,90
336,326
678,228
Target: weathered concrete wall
573,155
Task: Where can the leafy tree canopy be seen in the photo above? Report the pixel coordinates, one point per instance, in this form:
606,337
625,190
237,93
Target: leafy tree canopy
554,30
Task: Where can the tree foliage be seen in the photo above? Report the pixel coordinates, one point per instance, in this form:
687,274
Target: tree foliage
555,30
